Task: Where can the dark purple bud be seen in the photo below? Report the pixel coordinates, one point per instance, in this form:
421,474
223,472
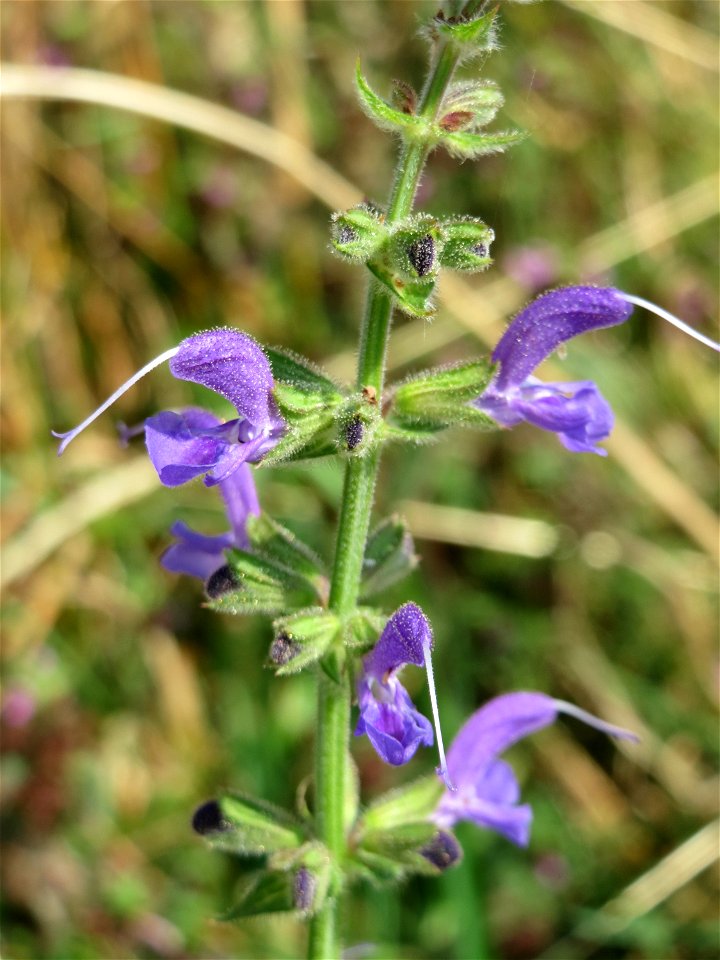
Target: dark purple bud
283,649
421,255
304,888
354,433
443,851
480,250
346,234
221,582
209,819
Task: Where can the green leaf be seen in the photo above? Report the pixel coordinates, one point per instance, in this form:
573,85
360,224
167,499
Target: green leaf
479,100
302,638
269,539
470,145
251,584
386,116
389,555
247,826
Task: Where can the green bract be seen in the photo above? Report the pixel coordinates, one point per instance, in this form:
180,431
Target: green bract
389,555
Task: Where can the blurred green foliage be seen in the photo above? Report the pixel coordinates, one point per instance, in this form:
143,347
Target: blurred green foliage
126,703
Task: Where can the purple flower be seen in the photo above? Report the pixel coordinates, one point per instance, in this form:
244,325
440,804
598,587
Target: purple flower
577,412
199,555
486,790
187,444
387,714
194,442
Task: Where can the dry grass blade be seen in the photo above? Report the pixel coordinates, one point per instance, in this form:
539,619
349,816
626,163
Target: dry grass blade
654,26
671,873
194,113
490,531
112,489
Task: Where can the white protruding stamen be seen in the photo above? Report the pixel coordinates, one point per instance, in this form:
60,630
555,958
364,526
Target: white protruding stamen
71,434
442,770
671,318
562,706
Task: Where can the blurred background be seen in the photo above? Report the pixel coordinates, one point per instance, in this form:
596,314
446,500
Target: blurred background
125,704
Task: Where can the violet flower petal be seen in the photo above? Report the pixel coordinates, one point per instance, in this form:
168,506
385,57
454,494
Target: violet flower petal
387,714
241,500
232,364
200,556
493,728
195,554
547,322
181,446
487,791
393,724
401,642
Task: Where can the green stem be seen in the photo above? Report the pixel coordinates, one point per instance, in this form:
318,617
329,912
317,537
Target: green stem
334,695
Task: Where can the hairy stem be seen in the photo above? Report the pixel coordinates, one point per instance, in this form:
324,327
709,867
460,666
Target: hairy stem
334,695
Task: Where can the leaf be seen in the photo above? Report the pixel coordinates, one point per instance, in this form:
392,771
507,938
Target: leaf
412,296
470,145
386,116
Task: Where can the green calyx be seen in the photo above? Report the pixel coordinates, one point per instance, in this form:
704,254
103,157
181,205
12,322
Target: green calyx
357,233
442,398
302,639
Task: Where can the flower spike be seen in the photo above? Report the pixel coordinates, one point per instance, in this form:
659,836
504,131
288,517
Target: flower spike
70,435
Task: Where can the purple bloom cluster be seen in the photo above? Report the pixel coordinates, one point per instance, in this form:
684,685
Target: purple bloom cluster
480,787
194,442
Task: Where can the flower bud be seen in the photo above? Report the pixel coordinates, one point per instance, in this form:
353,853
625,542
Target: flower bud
443,851
467,244
358,233
354,432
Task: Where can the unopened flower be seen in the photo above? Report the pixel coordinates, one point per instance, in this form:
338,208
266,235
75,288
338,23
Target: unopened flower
486,789
183,445
395,727
199,555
